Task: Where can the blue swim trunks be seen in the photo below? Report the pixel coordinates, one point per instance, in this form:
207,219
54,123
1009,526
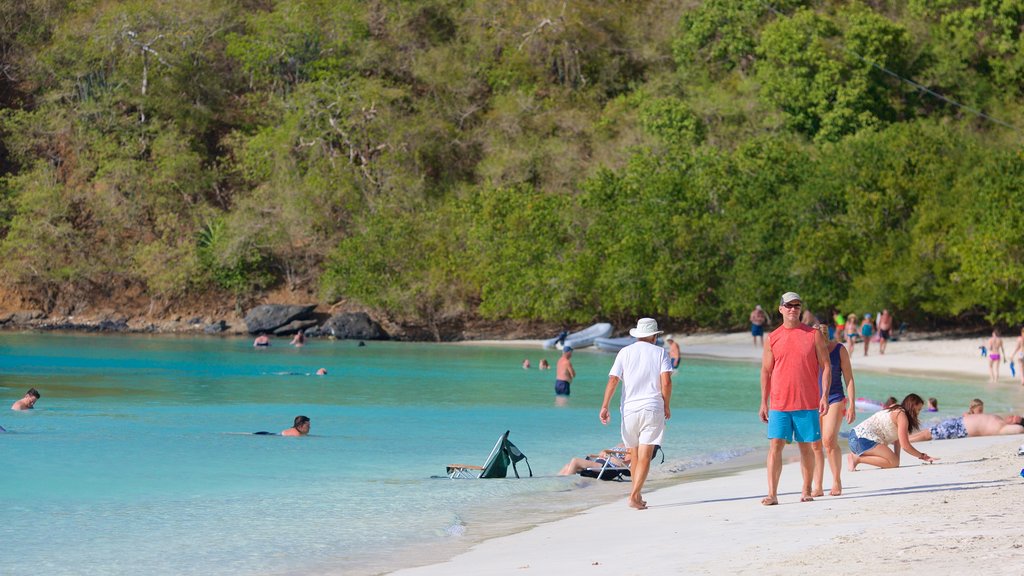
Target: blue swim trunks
561,388
799,425
757,330
952,428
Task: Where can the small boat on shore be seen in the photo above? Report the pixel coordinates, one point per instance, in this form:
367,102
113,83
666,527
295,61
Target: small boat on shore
616,344
583,338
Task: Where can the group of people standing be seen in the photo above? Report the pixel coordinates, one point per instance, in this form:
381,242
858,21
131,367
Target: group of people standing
848,329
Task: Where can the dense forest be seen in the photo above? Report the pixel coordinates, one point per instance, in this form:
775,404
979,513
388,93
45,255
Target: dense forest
557,161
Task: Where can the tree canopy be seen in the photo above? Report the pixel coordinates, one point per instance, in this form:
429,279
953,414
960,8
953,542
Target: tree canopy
552,161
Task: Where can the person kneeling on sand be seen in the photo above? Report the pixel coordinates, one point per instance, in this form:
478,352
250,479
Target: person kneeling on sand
971,425
299,428
869,439
618,457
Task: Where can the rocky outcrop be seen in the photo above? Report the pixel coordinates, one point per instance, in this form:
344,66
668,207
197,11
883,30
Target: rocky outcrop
295,326
353,326
270,317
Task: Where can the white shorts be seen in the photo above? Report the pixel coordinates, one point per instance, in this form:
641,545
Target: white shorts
643,427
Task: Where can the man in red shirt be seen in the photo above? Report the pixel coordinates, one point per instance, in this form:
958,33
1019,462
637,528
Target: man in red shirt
791,400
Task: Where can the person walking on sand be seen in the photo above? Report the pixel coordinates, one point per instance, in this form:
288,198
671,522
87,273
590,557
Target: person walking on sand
645,371
867,329
564,373
840,401
995,355
869,440
758,320
791,404
884,329
851,332
1018,356
673,352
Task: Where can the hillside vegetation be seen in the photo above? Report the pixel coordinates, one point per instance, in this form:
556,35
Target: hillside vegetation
552,161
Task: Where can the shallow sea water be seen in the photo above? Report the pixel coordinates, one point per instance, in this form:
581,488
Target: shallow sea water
137,458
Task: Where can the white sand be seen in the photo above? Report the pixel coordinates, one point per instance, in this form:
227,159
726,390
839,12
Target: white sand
961,515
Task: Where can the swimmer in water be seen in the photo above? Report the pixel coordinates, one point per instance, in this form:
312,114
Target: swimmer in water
300,428
28,401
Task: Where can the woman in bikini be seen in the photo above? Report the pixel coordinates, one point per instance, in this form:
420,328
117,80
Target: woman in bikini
995,355
851,332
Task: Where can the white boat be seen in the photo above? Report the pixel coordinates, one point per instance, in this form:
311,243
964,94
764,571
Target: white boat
616,344
583,338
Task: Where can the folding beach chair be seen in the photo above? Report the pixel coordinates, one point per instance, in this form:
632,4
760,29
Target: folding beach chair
496,465
608,471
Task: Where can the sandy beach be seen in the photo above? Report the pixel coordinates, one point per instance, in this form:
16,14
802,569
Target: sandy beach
956,516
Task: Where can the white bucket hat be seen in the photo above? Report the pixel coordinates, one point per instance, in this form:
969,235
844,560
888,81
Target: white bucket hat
645,327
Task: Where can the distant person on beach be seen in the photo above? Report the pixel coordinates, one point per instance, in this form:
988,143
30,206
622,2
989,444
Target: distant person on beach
526,363
618,457
791,403
840,322
933,405
884,329
673,352
851,332
995,355
758,321
28,401
840,401
299,339
977,406
645,371
299,428
869,440
867,329
971,425
1018,356
261,341
564,374
544,364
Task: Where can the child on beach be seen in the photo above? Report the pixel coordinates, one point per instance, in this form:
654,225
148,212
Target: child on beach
976,407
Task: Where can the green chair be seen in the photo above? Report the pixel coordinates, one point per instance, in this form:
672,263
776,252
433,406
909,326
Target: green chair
496,465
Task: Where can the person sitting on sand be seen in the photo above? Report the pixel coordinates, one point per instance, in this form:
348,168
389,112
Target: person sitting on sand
618,457
975,407
299,428
261,341
28,401
869,439
971,425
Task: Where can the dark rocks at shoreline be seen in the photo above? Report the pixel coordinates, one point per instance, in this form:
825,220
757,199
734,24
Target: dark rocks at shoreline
267,318
215,327
351,326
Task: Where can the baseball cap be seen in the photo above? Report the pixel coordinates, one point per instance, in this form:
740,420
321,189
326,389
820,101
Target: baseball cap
789,297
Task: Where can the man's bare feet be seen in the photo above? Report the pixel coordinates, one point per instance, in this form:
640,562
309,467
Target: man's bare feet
767,501
837,490
850,464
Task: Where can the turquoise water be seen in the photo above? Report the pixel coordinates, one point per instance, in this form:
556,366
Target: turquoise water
133,462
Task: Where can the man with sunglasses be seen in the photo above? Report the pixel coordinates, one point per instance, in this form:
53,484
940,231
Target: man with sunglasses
791,401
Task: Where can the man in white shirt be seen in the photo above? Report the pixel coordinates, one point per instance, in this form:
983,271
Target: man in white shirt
645,371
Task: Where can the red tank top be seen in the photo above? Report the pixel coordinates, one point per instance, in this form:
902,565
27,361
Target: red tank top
795,374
